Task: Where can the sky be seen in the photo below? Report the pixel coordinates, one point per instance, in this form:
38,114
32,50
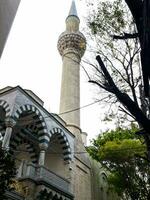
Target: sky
31,59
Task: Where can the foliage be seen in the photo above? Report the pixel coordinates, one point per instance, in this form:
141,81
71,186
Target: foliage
123,155
119,40
118,32
120,57
7,172
108,18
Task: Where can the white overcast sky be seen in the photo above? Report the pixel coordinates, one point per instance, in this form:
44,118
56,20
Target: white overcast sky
31,59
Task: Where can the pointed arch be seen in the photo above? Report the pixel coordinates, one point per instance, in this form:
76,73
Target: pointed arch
18,140
38,118
63,141
103,178
6,107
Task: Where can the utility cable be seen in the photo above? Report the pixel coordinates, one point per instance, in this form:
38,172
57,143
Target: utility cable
73,110
90,104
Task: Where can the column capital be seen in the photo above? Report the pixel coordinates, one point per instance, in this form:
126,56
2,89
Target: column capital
10,122
43,146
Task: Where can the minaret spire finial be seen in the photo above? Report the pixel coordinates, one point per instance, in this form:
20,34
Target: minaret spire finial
73,10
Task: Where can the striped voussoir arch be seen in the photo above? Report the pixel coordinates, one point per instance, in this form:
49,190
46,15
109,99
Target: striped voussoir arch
38,119
63,141
6,107
18,140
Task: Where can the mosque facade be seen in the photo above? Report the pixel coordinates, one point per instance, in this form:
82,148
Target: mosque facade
50,150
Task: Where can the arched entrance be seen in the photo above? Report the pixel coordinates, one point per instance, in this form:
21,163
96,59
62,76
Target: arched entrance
58,154
29,133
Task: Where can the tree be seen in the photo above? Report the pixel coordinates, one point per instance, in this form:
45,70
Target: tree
7,172
141,15
118,70
122,154
140,12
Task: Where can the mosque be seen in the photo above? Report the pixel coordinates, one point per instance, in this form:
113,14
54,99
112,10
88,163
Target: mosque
50,151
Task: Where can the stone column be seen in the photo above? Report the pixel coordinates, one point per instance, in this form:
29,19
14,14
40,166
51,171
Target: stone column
43,148
42,157
9,127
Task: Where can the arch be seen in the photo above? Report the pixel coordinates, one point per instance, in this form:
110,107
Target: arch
20,139
103,179
103,173
6,107
55,197
63,141
38,118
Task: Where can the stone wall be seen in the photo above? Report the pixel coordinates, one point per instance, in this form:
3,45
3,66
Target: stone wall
82,181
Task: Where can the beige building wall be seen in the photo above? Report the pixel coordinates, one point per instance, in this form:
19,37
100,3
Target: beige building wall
82,183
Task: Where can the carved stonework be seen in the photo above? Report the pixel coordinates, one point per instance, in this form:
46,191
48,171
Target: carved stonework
10,122
72,41
19,188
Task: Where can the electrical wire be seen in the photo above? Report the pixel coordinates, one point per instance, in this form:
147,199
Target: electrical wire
90,104
66,112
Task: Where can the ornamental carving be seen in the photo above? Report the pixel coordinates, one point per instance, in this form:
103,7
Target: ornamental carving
74,42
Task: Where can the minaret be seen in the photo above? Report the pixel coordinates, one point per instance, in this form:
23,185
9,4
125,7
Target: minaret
71,46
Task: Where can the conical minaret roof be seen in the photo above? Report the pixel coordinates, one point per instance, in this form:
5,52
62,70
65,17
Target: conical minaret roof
72,39
73,10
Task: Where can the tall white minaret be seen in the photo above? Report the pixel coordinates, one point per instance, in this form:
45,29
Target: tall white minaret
71,46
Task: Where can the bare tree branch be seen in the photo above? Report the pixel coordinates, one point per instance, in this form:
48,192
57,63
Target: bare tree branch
125,36
125,99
